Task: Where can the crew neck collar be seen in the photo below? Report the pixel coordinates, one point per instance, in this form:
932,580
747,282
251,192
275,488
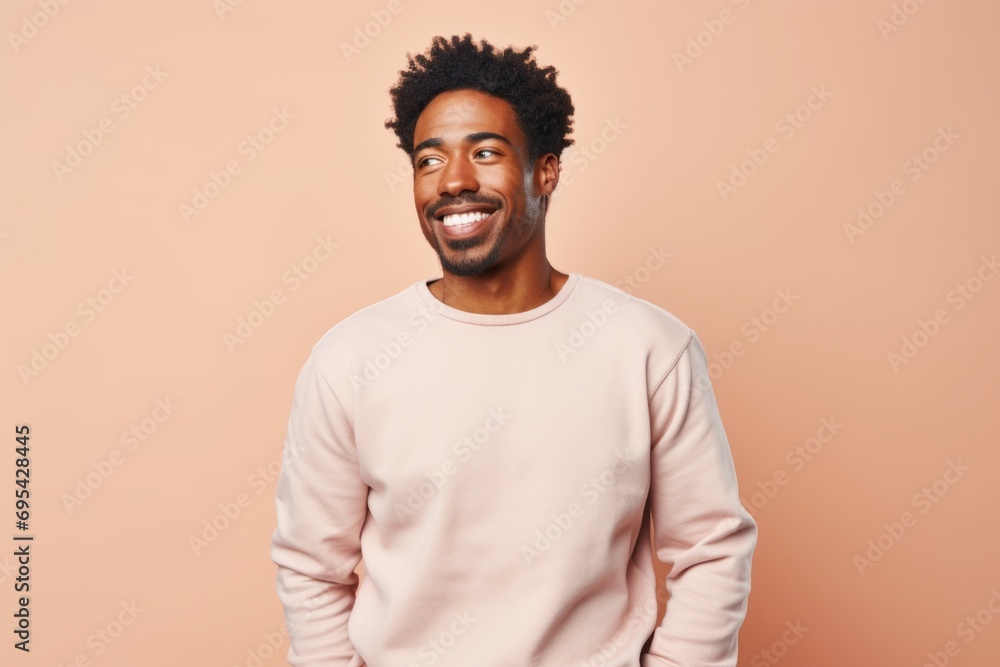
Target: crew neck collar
496,318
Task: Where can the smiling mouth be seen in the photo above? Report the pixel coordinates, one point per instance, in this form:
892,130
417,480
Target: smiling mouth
466,224
464,219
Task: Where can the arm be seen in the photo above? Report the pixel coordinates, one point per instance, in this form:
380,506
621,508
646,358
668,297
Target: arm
700,528
321,506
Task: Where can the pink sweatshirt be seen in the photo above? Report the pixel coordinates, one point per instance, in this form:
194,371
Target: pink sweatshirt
500,475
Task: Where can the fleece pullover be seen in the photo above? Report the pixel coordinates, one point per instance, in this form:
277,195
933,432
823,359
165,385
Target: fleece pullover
500,476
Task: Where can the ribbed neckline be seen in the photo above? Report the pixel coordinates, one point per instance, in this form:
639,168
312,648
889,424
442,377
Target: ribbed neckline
490,319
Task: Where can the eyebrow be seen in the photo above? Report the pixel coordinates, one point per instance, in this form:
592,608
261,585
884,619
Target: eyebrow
473,138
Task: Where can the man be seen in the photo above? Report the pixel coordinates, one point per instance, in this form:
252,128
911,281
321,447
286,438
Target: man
498,442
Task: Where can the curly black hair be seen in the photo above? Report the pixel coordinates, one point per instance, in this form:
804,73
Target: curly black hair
543,109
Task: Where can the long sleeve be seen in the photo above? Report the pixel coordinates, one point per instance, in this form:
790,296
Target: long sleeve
321,507
700,528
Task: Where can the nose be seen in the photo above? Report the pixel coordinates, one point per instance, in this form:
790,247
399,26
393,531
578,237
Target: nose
458,174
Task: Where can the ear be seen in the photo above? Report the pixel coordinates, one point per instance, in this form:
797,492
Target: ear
547,174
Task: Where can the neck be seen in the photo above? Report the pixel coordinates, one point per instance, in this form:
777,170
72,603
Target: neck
499,292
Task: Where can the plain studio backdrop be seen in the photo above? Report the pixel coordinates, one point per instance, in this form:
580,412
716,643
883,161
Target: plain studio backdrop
193,192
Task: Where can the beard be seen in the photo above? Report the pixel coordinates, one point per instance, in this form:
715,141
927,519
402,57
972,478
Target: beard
473,256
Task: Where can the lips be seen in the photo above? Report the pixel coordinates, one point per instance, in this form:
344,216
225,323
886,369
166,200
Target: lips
455,219
466,224
465,219
480,207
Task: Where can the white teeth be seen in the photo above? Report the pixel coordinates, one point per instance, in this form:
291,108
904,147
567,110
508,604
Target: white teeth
463,218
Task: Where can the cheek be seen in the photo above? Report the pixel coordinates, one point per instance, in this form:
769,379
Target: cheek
507,186
422,197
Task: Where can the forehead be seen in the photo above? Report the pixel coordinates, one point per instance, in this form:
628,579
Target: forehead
455,113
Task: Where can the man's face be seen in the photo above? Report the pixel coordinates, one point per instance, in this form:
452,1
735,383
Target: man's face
471,158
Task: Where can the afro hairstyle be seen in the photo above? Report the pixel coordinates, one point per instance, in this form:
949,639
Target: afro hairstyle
543,109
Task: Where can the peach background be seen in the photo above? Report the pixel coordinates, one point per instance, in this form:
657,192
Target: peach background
329,172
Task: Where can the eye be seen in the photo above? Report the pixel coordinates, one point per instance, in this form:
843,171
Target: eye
492,153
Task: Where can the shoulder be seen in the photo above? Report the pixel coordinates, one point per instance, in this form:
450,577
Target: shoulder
368,327
641,315
640,325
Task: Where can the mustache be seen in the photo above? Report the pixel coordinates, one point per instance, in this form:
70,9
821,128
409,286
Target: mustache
460,201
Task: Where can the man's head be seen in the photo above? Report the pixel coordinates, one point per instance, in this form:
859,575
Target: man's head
484,130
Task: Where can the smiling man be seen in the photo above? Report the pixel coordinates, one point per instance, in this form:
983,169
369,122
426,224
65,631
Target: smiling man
506,447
